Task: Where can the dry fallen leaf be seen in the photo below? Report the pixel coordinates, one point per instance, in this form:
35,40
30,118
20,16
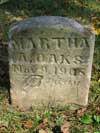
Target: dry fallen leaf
45,120
96,30
27,124
3,125
92,84
45,131
81,112
65,127
95,67
44,124
42,131
2,128
97,0
98,108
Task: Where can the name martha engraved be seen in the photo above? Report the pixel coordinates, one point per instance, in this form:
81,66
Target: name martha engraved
50,61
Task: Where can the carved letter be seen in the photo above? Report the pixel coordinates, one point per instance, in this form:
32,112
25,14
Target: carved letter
32,44
65,59
56,42
72,42
44,69
40,57
52,58
78,60
44,42
84,43
63,70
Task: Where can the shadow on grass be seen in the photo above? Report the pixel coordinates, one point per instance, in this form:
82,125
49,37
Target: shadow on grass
48,7
57,129
4,69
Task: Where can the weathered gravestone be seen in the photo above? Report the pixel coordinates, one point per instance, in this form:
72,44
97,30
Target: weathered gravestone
50,62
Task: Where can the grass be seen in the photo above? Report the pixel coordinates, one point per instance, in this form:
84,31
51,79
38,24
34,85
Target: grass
87,120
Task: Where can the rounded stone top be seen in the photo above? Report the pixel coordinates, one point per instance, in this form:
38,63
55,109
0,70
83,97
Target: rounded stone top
56,22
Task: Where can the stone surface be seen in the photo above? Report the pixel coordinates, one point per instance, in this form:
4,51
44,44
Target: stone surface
50,61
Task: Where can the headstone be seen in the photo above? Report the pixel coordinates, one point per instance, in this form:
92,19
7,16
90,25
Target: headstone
50,61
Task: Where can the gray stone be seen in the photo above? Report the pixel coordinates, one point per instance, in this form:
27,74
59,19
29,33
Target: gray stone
50,61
